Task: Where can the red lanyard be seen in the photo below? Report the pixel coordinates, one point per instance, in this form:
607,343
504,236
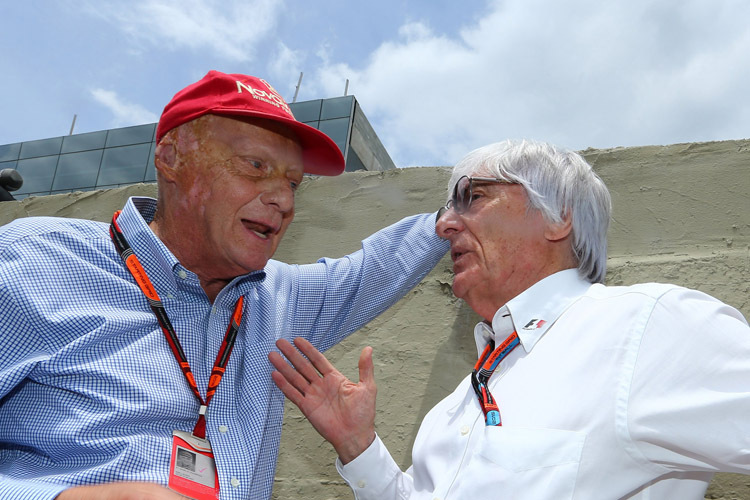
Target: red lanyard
483,370
222,358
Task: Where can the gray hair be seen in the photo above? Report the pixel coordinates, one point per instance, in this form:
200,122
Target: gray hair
557,182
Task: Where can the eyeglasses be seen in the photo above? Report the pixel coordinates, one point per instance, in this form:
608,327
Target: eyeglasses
462,192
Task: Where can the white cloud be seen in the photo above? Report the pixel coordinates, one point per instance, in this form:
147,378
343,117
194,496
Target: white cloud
285,66
230,29
578,73
125,114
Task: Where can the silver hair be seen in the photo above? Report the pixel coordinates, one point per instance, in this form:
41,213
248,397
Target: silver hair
557,182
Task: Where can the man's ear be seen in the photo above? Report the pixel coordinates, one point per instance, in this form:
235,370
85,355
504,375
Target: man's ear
165,156
559,230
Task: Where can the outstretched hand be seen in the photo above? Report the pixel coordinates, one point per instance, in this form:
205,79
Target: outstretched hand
340,410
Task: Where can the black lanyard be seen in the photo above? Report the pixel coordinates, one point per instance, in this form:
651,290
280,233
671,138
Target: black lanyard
483,370
222,358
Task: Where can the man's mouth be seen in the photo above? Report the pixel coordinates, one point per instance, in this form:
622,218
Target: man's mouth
261,230
455,255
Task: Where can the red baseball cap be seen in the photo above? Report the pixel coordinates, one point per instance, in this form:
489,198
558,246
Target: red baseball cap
242,95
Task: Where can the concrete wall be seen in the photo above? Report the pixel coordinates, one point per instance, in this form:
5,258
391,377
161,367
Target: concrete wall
681,215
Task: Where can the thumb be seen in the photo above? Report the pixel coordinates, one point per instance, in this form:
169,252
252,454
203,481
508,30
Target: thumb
366,368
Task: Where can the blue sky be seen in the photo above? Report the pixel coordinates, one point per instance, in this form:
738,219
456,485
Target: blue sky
435,78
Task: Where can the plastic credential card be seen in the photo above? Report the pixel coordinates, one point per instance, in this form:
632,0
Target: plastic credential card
192,469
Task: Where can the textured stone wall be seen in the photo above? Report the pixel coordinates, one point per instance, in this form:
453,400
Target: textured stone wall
681,215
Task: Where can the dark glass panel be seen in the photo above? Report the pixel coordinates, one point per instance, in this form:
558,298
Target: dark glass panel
90,188
10,152
353,163
43,147
150,169
306,111
76,171
37,174
338,130
130,135
124,165
84,142
337,107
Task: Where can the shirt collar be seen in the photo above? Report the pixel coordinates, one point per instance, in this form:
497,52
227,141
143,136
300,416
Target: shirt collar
534,311
162,267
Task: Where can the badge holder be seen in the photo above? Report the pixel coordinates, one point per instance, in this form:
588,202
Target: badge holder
192,469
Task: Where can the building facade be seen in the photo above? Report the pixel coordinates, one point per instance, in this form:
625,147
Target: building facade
122,156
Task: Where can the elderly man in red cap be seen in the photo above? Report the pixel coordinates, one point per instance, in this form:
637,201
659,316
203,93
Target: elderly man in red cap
134,354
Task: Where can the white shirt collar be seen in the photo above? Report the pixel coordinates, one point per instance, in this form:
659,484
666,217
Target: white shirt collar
534,311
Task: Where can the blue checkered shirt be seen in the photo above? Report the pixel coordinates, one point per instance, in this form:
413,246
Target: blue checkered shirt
89,390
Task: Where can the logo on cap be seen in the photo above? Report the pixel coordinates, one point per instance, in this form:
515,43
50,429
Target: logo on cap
269,96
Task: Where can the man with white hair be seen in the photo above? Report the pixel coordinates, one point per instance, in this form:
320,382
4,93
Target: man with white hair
581,390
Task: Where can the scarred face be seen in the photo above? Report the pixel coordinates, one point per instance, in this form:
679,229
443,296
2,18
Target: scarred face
233,183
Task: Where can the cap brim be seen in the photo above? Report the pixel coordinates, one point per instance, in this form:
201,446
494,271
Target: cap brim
320,155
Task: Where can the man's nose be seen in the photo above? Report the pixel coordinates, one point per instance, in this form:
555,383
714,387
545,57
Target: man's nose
448,223
279,194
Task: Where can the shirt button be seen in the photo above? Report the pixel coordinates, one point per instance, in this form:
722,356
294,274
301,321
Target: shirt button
223,429
235,482
213,309
465,430
182,274
169,295
361,483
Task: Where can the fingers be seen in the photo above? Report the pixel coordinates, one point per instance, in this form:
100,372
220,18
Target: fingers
287,379
366,369
317,359
303,366
306,365
291,393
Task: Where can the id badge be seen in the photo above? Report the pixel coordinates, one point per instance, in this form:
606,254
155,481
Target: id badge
192,469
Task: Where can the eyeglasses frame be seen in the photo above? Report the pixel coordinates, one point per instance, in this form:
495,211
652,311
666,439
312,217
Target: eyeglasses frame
451,203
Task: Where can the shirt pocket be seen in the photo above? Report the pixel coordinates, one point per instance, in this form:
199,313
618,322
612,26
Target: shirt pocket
522,463
519,449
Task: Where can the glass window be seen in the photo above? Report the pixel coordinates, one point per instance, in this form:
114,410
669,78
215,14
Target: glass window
8,164
124,165
130,135
150,168
306,111
338,130
10,152
338,107
37,174
90,188
84,142
43,147
353,163
77,170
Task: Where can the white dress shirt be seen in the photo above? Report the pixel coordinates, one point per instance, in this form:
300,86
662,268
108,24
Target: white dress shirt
638,392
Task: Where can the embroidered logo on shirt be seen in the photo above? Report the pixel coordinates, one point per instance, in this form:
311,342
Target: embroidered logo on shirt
534,324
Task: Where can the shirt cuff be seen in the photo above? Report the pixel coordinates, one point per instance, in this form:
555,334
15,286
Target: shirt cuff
371,472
